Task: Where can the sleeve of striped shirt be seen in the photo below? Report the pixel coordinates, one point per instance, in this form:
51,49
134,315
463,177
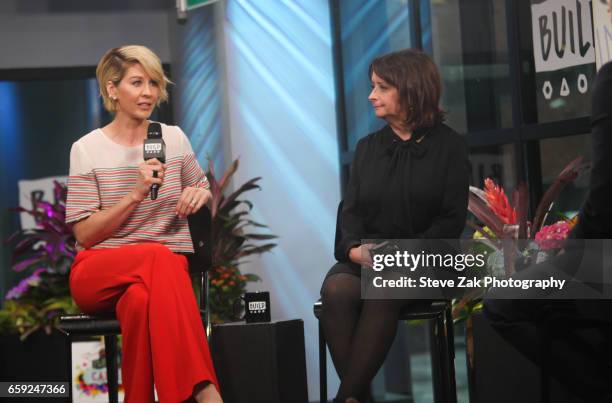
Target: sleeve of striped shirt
191,172
83,196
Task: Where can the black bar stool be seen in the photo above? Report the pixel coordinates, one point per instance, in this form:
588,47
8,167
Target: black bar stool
441,341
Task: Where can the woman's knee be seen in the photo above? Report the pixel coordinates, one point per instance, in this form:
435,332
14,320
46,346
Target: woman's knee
341,289
164,261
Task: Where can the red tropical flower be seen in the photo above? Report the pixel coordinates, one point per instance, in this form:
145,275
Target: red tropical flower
498,202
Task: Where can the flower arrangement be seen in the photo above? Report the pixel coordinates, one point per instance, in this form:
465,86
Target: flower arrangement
508,237
505,233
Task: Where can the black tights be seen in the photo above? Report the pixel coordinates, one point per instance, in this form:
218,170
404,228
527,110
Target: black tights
359,333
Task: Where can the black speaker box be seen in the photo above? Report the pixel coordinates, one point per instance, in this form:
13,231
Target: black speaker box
261,362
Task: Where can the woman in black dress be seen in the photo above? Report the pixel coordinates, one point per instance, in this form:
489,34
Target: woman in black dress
408,180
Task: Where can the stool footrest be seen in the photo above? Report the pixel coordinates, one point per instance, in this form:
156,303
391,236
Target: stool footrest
89,325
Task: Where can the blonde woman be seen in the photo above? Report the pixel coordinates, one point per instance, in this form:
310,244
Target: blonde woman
131,248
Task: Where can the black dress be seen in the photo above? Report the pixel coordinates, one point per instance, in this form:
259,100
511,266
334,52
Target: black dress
399,189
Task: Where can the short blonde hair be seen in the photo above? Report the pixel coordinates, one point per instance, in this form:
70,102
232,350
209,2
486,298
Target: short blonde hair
116,61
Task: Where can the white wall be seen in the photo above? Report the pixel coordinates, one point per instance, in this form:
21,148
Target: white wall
278,62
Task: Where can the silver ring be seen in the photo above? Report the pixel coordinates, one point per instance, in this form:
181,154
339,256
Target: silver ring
192,203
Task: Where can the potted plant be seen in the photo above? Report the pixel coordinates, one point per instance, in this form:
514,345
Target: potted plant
233,241
46,253
32,307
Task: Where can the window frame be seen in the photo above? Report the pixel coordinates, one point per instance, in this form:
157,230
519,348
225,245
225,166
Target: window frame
523,136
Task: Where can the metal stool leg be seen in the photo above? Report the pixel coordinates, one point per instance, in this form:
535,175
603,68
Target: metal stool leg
436,367
543,337
322,366
449,356
443,358
69,349
110,348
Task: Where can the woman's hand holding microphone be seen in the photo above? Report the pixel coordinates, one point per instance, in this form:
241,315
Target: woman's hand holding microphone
146,178
191,200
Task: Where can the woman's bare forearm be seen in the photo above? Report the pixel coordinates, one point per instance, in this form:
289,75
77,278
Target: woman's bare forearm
101,225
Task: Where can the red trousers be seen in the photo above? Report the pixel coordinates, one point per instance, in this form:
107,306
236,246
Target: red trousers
149,288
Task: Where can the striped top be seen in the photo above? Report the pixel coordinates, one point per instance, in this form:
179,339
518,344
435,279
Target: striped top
102,172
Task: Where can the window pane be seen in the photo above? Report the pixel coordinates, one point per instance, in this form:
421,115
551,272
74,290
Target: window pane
469,44
495,162
42,120
368,29
555,154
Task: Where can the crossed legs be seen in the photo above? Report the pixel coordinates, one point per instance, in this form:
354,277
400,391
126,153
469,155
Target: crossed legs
149,288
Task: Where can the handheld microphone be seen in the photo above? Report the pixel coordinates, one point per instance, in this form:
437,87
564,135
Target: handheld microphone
154,147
